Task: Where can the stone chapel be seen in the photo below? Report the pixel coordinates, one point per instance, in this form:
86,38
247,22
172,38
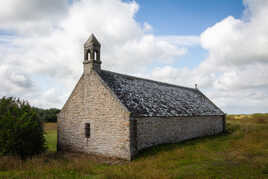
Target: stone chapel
117,115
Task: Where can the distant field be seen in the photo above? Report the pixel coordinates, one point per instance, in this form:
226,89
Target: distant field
240,153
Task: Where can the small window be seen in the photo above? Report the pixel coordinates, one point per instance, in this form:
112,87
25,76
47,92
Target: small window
87,130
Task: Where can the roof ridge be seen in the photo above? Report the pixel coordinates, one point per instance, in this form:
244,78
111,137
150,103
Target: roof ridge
164,83
209,100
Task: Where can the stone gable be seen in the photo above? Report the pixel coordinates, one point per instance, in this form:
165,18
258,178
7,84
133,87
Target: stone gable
92,102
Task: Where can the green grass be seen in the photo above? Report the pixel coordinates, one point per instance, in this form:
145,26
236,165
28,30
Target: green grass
240,153
51,136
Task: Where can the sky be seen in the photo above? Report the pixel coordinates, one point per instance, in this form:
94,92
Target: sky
220,45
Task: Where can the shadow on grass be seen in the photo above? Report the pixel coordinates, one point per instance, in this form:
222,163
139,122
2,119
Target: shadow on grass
167,147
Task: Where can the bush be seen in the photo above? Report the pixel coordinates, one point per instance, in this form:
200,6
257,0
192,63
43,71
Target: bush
21,131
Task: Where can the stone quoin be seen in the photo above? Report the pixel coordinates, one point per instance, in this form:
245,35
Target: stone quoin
117,115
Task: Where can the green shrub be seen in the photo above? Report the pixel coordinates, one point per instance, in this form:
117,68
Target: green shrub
21,131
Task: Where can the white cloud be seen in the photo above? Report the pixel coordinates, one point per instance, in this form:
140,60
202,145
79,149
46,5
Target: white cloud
239,49
46,49
147,27
31,17
42,60
235,72
182,40
14,83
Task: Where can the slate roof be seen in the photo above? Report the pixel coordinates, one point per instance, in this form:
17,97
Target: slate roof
144,97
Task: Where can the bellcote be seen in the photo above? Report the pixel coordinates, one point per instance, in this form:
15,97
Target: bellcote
92,54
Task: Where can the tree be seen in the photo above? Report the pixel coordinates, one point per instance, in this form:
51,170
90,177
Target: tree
21,131
47,115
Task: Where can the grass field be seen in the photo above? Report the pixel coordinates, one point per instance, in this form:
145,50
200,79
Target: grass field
51,136
240,153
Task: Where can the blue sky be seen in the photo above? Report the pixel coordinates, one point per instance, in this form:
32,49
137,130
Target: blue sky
222,45
186,17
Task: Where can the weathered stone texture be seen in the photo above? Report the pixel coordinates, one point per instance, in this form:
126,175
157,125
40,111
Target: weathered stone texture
119,109
158,130
92,102
113,132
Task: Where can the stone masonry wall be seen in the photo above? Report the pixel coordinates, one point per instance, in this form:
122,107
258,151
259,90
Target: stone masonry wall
92,102
150,131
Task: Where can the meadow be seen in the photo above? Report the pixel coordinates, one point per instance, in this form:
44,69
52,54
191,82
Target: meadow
241,152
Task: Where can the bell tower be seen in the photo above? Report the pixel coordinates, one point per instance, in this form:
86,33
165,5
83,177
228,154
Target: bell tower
92,55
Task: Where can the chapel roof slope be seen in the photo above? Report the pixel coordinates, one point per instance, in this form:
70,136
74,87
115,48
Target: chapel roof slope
144,97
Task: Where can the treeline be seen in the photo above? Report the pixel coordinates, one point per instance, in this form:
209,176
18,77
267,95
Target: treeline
47,115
